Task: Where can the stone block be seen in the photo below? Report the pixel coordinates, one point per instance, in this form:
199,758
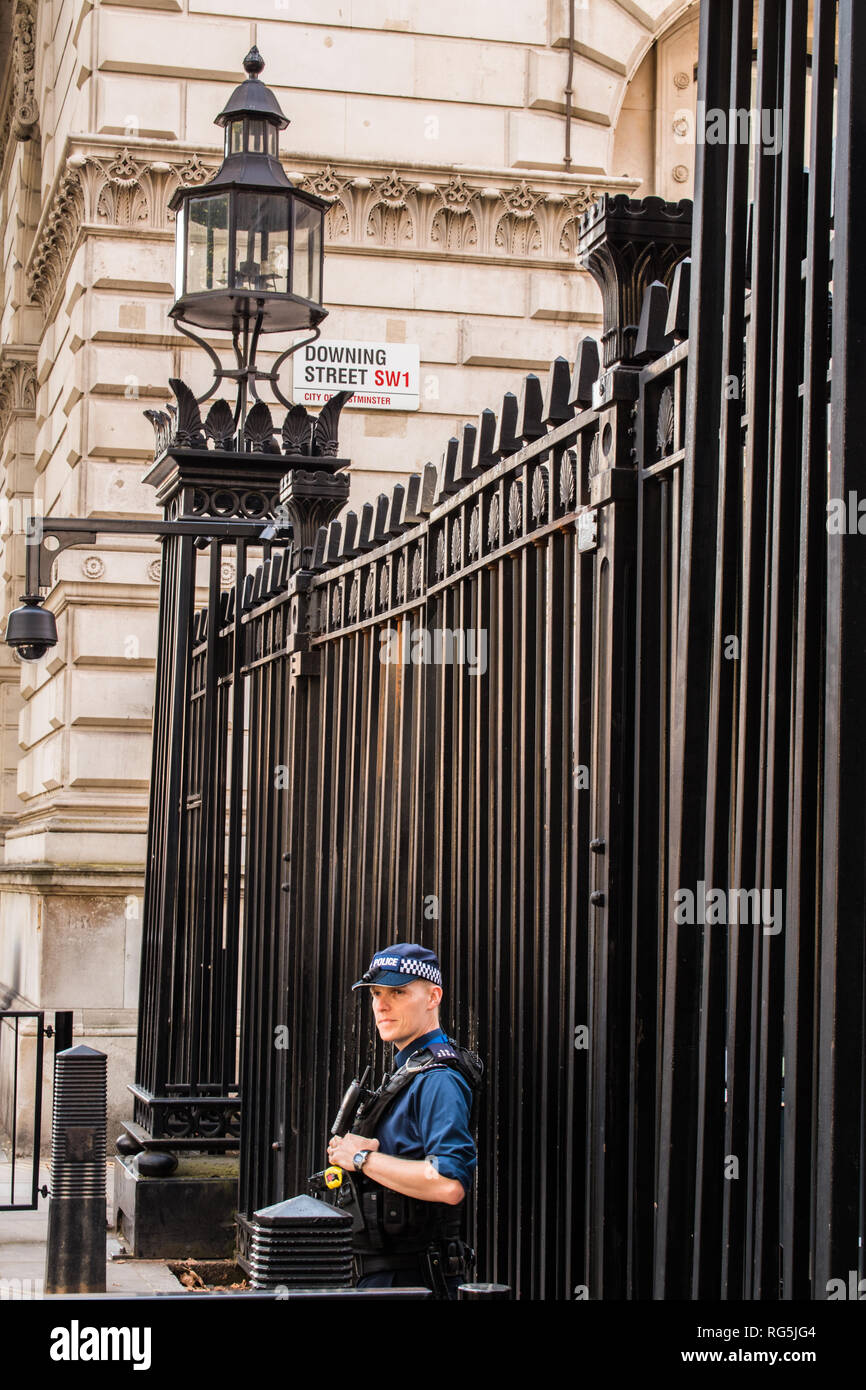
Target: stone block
115,759
596,90
132,317
117,487
188,1215
175,46
129,371
110,699
40,769
117,429
484,19
399,65
75,843
536,141
530,350
605,30
405,284
83,950
100,637
423,132
138,106
139,266
571,296
43,713
436,334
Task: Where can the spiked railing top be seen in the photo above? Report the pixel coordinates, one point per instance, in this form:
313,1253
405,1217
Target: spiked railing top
540,407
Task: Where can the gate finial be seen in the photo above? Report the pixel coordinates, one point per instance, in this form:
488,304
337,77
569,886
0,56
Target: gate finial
626,243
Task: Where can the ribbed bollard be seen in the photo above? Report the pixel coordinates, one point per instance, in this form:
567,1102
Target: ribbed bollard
301,1244
75,1258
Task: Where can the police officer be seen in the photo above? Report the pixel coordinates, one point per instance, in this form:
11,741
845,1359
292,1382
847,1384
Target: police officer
411,1154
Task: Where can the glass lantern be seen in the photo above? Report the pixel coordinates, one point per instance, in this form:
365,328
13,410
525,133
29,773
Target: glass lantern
249,244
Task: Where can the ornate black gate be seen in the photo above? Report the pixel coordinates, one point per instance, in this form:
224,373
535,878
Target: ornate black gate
578,708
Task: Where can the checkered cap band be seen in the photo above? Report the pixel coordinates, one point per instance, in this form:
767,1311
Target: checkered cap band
423,968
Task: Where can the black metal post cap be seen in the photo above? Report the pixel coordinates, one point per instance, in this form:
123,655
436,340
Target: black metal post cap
254,62
155,1163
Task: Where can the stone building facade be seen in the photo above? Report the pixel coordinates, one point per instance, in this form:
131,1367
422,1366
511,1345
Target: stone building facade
438,136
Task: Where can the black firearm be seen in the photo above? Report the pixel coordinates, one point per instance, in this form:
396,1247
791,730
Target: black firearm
355,1093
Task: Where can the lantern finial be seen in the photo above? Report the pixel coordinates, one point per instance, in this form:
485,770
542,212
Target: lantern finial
254,62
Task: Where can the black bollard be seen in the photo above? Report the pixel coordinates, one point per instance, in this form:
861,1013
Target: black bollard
75,1258
301,1244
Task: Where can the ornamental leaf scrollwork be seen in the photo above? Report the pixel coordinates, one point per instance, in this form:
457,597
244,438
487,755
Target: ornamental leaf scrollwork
594,461
259,430
539,493
665,423
567,480
439,566
194,171
515,509
219,425
417,571
475,531
188,431
456,544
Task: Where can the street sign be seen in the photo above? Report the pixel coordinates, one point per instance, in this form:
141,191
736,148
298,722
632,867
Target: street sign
383,376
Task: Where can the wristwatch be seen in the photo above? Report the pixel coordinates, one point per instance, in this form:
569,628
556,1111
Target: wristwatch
360,1158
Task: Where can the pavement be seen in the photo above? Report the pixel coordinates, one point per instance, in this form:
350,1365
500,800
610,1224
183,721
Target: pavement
24,1237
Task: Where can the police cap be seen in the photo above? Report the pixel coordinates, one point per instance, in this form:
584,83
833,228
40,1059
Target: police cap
396,965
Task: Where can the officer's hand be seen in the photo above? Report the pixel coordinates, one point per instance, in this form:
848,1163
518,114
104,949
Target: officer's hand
342,1150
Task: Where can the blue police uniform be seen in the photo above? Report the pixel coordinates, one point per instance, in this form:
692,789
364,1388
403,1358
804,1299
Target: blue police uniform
429,1118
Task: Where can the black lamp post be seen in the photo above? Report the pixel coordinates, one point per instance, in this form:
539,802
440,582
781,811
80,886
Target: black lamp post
249,244
250,248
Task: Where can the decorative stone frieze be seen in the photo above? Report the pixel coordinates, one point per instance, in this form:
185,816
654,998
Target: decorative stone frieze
446,215
452,217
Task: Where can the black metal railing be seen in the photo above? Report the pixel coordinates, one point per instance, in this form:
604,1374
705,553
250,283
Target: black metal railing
665,712
22,1095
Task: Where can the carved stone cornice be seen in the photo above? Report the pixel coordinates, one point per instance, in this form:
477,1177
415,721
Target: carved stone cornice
117,189
25,111
430,213
56,239
17,383
450,214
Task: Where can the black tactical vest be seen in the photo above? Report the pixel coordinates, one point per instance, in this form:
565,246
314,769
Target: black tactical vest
386,1221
